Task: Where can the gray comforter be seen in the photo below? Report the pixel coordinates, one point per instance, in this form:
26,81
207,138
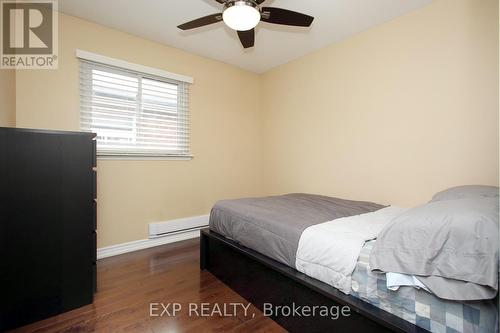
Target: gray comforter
273,225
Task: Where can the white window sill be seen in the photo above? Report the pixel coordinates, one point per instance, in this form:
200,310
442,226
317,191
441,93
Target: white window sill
144,158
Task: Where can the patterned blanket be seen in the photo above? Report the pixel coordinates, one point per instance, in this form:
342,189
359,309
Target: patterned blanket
420,307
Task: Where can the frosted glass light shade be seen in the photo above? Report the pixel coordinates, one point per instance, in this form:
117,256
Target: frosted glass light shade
241,16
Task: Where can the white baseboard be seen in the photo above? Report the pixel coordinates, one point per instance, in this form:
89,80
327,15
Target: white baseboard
115,250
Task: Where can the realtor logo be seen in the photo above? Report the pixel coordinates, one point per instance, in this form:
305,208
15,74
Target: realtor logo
28,34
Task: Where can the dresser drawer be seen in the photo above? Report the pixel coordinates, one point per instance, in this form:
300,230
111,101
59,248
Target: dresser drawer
94,153
94,215
94,246
94,183
94,277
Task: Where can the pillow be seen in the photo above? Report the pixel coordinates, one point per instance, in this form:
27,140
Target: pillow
449,239
466,191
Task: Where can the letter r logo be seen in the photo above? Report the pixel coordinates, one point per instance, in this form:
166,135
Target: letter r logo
27,27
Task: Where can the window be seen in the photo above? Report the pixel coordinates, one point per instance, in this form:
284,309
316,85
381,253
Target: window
134,113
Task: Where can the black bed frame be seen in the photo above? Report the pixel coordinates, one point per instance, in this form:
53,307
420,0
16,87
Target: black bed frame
260,280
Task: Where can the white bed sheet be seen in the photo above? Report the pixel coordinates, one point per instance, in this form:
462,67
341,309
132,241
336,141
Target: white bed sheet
329,251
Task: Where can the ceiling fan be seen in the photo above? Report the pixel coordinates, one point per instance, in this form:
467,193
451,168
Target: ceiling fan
244,15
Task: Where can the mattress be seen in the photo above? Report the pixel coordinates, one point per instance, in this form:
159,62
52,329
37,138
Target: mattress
420,307
273,225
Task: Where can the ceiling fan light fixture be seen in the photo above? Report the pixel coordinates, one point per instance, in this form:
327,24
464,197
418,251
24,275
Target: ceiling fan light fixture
244,15
241,15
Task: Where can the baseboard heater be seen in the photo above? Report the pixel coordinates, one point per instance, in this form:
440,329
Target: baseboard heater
161,229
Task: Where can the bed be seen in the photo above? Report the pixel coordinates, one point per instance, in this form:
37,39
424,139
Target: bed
257,247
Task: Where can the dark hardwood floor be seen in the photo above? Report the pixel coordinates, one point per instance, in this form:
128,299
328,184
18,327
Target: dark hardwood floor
128,283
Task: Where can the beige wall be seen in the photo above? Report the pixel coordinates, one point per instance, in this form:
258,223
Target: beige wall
393,114
225,125
7,98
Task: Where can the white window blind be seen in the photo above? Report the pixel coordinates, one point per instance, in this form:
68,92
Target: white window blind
133,113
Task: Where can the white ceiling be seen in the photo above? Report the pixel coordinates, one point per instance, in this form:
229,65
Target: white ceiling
274,44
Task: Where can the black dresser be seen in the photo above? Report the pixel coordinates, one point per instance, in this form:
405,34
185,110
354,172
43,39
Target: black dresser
47,223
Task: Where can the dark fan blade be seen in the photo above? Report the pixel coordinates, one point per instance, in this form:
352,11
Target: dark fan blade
202,21
221,1
259,1
285,17
247,38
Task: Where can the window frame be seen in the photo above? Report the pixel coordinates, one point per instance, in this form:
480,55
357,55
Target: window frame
141,73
